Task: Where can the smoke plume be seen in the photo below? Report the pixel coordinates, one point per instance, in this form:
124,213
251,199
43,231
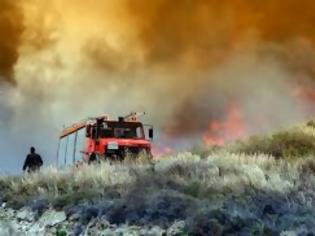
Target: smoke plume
186,63
11,28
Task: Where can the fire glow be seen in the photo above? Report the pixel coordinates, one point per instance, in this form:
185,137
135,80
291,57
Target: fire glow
179,61
232,128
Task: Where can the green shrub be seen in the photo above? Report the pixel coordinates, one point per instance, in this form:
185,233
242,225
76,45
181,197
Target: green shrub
296,142
204,151
61,233
193,189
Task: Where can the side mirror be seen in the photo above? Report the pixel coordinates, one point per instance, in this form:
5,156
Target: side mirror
151,133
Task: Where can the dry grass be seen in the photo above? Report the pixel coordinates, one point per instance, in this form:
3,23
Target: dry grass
228,186
219,172
296,142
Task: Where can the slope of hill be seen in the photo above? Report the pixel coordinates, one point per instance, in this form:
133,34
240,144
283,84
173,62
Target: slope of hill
260,186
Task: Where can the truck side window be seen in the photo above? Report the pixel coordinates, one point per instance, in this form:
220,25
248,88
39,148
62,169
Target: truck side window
107,133
139,132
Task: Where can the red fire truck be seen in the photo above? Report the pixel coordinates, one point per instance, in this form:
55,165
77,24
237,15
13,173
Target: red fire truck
107,139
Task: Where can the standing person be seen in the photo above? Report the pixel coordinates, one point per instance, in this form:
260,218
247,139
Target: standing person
92,158
33,161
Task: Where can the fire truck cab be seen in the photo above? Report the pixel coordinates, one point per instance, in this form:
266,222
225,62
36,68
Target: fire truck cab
108,139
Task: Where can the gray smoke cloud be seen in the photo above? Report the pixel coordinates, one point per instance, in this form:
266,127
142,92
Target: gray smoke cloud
185,63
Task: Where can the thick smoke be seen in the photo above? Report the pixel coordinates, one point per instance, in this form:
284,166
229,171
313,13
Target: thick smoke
183,62
11,28
212,53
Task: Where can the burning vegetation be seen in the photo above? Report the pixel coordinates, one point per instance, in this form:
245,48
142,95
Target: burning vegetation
232,128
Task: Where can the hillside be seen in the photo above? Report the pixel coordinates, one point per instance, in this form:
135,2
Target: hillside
259,186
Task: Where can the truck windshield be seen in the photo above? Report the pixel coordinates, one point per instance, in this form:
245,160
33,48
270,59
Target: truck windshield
128,130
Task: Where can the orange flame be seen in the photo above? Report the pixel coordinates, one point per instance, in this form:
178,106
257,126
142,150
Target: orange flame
232,128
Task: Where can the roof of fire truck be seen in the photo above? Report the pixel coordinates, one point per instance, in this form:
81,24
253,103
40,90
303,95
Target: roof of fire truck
132,117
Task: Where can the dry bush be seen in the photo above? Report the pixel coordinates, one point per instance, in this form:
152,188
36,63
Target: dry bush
204,150
194,174
311,124
142,158
297,142
51,183
226,190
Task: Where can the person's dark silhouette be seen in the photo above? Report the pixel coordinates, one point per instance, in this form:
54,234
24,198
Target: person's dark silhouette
33,161
92,158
